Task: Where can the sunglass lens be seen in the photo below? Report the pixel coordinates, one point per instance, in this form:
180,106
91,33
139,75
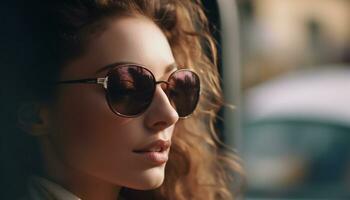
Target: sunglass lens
183,91
130,89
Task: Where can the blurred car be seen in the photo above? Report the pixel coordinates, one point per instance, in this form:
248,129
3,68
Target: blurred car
296,140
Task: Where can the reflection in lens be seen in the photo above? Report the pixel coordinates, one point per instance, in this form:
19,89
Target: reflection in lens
183,91
130,89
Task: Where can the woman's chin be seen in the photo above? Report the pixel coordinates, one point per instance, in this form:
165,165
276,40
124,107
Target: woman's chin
151,179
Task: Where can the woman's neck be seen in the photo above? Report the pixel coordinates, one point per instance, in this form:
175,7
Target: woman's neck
83,185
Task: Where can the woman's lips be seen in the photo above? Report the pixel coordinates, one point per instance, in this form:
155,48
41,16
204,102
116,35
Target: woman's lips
155,146
155,152
155,157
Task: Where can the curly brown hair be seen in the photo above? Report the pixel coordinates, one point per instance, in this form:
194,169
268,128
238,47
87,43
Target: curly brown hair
200,166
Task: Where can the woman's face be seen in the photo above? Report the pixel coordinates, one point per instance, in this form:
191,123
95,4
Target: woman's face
86,136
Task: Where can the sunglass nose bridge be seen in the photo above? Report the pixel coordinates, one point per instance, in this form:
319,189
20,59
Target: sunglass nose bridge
164,85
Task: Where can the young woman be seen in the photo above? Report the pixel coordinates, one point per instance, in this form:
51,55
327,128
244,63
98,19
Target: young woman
115,99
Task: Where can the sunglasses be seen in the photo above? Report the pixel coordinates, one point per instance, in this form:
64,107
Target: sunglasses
130,89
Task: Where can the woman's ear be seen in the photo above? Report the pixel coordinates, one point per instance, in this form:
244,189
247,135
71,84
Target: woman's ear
33,118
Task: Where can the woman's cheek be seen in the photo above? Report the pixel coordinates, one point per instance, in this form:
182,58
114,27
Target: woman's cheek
87,132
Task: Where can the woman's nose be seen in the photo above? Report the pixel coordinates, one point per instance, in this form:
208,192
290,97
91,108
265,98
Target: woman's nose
161,114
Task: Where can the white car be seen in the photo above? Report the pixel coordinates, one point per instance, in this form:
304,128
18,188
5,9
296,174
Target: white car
297,135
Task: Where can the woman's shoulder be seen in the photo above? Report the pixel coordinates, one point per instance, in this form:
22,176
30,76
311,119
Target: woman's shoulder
33,191
39,188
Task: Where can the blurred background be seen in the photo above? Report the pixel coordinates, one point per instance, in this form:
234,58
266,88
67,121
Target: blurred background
295,98
285,64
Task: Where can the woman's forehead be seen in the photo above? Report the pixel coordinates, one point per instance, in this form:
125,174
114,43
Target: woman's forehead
132,39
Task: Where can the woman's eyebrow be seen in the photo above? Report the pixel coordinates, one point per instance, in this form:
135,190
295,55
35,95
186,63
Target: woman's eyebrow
169,68
107,67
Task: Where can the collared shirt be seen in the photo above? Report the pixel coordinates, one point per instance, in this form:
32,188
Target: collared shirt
40,188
